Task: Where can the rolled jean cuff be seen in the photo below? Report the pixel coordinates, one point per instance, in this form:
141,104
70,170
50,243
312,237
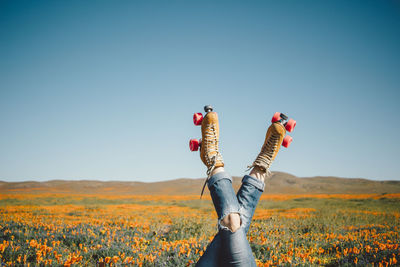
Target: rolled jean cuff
216,177
260,185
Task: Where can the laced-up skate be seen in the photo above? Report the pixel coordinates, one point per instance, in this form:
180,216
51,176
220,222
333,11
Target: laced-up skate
208,144
274,138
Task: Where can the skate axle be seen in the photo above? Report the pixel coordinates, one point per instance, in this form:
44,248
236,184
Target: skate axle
289,126
282,118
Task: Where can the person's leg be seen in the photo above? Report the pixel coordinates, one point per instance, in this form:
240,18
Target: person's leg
254,183
251,189
230,246
235,249
211,257
249,194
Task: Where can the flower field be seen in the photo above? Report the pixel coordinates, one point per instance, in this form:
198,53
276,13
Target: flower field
287,230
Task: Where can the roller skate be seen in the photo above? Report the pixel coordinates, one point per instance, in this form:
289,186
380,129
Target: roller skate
274,138
208,144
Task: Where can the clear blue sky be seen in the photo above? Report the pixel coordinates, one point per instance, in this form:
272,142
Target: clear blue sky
106,89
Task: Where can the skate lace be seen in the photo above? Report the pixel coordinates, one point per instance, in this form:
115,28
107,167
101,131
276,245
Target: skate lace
210,144
266,155
211,153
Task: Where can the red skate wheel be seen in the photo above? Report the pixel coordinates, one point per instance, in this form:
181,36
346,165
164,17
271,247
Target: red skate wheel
276,117
197,118
290,125
194,144
287,140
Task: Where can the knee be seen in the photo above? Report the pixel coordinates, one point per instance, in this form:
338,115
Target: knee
232,221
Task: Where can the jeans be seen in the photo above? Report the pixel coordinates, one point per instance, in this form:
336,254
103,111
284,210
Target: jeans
232,248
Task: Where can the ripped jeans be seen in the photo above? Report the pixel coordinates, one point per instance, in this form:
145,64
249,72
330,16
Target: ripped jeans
232,248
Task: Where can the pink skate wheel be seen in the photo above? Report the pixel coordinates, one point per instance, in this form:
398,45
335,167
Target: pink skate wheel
287,140
194,144
276,117
290,125
197,118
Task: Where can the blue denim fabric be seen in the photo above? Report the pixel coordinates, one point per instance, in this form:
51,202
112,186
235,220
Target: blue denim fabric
228,248
248,195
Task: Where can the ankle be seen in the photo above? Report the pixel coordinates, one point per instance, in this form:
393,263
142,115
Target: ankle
259,174
217,170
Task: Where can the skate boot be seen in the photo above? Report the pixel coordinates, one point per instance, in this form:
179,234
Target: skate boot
208,145
209,152
274,138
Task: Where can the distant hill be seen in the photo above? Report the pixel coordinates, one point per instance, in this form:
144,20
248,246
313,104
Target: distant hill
279,183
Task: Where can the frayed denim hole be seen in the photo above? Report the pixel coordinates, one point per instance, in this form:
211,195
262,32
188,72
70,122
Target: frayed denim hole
223,227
